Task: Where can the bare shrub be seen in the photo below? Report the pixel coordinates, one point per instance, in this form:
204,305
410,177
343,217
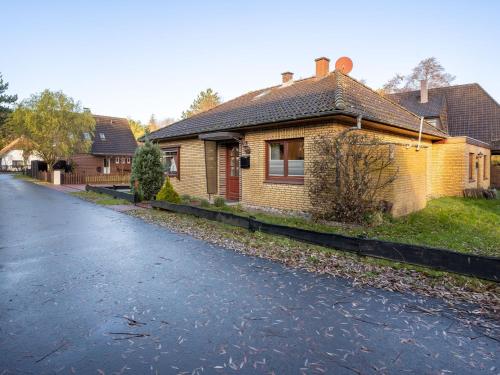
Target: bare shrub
348,175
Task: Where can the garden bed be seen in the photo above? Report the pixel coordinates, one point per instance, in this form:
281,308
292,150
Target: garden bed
465,225
99,198
116,191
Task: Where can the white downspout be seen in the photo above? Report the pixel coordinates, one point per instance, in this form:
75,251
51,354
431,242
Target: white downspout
420,132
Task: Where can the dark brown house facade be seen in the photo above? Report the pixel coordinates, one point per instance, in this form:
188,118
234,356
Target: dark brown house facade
113,147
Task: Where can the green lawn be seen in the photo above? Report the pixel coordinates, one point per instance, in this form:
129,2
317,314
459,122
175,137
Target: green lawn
21,176
98,198
462,224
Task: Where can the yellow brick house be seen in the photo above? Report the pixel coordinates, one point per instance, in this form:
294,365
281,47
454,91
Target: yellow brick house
257,148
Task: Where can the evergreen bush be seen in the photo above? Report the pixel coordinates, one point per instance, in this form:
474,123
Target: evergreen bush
147,170
167,193
219,202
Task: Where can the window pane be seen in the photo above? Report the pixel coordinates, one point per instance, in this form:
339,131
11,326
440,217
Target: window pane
276,159
277,151
276,168
296,158
295,167
296,150
170,162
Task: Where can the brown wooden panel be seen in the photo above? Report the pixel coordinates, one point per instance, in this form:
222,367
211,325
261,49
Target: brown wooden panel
495,175
211,166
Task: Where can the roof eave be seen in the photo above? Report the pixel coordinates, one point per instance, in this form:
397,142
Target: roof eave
323,116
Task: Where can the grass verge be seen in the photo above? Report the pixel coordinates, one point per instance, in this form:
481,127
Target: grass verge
466,225
103,199
21,176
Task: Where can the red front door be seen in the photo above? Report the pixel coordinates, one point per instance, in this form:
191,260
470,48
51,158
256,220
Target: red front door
232,172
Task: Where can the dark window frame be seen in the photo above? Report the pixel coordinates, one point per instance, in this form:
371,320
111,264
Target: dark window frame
177,150
472,166
486,167
292,180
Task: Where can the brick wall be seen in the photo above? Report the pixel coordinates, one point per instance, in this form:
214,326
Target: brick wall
192,179
450,167
435,170
407,193
221,175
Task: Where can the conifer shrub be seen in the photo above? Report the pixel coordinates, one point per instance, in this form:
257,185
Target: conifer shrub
219,202
147,171
167,193
204,203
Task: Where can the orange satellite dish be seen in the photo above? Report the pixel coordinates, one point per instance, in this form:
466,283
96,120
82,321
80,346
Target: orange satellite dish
344,64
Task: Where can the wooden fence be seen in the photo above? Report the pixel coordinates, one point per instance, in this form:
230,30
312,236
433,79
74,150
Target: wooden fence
83,179
108,179
44,176
442,259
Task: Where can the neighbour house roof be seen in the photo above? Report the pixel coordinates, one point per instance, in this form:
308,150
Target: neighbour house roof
335,93
471,111
117,137
10,146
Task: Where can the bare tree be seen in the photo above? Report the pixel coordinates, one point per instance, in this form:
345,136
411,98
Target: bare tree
429,69
349,175
432,71
166,121
395,84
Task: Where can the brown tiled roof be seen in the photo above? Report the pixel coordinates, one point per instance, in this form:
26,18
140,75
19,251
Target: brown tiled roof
10,146
411,101
119,139
313,97
470,110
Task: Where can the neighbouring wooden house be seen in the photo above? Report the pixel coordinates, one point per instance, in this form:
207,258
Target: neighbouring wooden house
112,150
461,110
257,148
12,157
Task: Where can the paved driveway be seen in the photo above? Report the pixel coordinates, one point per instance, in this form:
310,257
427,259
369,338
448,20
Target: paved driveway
71,271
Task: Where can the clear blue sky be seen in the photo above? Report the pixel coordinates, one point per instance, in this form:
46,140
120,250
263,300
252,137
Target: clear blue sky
135,58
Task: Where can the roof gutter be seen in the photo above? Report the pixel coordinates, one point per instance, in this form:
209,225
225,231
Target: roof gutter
323,116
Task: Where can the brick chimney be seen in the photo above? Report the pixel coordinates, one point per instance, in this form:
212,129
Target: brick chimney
322,66
424,91
286,76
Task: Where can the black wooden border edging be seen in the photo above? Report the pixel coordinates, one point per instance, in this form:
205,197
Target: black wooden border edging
442,259
132,198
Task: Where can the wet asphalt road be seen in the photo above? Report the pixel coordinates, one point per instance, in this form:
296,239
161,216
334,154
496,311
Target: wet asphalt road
70,271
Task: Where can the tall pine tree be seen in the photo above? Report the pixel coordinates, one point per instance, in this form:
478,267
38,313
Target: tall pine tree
6,102
206,100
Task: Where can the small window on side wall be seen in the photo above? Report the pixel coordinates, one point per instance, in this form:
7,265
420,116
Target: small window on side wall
285,161
123,160
128,160
472,166
486,167
117,160
170,161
